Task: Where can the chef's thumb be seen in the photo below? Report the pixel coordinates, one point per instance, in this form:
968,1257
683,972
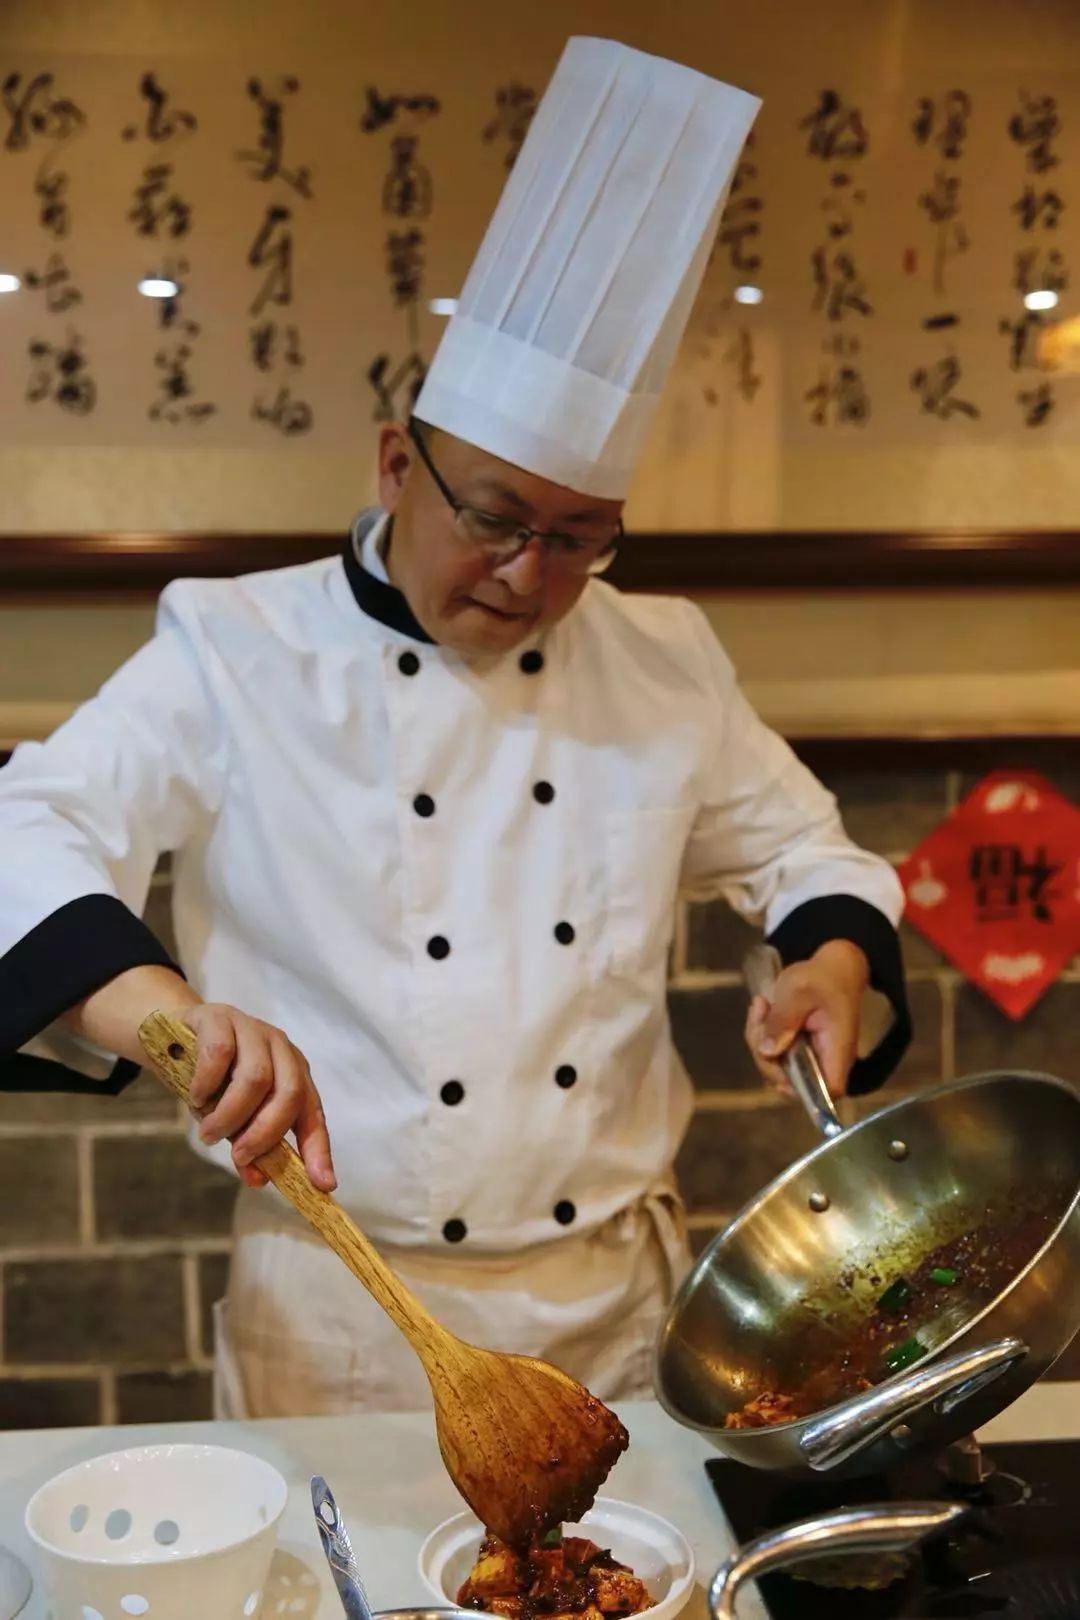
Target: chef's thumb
785,1018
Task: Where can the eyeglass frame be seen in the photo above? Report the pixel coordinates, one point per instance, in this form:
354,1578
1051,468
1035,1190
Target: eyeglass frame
521,532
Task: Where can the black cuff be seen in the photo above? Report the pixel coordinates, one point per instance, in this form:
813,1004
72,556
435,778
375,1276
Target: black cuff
22,1072
76,950
843,916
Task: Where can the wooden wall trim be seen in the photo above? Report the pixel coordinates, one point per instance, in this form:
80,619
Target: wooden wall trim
696,563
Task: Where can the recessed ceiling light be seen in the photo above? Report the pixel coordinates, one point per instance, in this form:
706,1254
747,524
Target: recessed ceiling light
158,287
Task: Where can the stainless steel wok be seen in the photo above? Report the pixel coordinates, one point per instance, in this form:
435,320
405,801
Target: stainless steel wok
866,1206
894,1527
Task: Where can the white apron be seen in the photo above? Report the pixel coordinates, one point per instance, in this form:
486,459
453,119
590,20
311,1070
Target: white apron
299,1335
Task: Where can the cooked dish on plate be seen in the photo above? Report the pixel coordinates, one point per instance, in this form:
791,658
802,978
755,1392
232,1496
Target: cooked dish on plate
562,1576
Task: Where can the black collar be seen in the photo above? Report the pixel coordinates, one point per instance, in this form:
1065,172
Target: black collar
379,600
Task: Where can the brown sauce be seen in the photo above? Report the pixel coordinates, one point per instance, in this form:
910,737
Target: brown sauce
985,1259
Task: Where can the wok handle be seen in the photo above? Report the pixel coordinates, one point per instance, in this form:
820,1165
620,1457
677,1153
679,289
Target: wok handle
892,1527
761,969
848,1429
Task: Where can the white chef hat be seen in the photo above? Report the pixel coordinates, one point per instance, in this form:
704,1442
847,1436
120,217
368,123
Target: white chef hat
576,303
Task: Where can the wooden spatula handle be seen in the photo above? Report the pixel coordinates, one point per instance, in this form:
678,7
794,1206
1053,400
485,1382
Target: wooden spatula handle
173,1048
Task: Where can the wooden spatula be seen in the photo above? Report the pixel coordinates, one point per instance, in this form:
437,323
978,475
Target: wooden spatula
527,1447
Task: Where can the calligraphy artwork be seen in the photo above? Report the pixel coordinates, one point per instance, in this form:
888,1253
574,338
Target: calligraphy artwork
274,348
217,253
836,137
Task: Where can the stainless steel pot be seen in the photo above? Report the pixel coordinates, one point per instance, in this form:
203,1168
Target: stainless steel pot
870,1203
892,1528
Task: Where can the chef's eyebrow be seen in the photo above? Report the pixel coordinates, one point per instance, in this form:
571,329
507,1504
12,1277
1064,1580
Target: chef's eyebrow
503,492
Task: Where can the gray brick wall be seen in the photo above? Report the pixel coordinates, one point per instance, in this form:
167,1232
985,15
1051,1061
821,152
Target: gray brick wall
114,1238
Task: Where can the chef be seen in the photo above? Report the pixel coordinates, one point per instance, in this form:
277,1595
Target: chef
430,804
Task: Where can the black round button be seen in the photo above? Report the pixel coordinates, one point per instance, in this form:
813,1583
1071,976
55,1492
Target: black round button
452,1093
531,662
438,947
566,1076
543,792
408,663
564,933
565,1212
424,805
456,1231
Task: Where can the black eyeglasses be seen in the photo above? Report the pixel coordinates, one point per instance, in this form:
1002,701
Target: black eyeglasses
503,538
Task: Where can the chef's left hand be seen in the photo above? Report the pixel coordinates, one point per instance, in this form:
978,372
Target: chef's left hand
820,997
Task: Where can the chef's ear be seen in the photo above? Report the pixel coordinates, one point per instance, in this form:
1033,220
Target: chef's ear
395,458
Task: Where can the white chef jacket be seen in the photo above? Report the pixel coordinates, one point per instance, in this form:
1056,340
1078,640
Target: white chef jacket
452,883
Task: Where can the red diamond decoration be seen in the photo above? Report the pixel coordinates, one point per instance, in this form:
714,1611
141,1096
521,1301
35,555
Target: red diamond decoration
996,887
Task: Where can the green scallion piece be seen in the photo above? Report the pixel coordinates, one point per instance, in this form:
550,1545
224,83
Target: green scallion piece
553,1537
904,1355
896,1296
945,1276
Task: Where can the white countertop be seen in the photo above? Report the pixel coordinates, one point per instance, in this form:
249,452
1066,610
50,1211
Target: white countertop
389,1483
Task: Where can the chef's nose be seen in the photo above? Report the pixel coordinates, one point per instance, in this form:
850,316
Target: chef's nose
524,573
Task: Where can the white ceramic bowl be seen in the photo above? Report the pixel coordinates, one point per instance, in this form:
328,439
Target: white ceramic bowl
652,1548
166,1531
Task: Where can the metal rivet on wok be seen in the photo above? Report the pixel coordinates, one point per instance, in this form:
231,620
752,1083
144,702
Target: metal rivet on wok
819,1202
898,1150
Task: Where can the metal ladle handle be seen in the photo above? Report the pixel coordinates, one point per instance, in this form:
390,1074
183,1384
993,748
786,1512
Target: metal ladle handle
892,1527
761,969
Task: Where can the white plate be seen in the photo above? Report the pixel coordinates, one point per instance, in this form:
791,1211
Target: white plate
652,1548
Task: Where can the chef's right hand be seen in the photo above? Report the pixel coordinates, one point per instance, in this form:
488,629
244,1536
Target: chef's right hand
268,1092
268,1089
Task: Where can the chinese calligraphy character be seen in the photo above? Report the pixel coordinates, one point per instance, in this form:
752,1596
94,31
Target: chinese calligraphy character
267,161
51,189
941,204
157,210
269,341
273,247
935,384
170,310
175,402
947,125
839,286
742,224
54,282
61,375
835,130
1035,126
515,106
1023,332
1032,273
384,110
290,416
843,389
1034,208
408,377
838,205
741,356
407,191
405,262
32,110
1038,403
1004,882
160,125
